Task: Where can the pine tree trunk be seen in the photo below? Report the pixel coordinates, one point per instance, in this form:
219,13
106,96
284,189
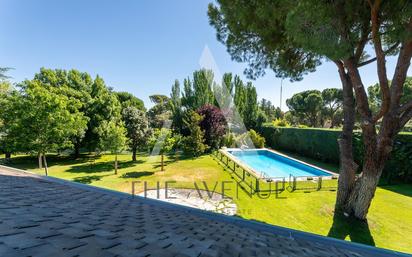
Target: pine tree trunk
46,169
39,157
362,195
76,151
347,165
134,150
8,156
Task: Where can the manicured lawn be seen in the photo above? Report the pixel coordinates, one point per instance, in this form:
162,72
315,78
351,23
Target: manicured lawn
389,220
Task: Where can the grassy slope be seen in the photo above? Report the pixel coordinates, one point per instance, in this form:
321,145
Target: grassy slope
389,220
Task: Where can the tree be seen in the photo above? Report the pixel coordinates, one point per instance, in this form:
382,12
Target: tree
198,92
176,107
375,94
292,38
128,100
104,106
193,144
213,124
307,106
7,139
112,138
45,119
3,71
159,113
73,84
163,141
137,126
332,104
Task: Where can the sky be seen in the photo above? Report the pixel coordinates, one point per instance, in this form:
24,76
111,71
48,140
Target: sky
136,46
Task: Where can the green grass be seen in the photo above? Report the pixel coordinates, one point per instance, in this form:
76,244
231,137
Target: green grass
389,219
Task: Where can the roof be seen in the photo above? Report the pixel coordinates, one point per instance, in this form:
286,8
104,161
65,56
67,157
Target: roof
43,216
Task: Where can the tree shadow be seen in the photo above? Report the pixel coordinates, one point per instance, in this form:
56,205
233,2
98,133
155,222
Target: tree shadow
403,189
88,179
357,230
137,174
92,167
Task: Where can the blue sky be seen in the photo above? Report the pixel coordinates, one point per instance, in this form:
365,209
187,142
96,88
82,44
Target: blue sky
136,46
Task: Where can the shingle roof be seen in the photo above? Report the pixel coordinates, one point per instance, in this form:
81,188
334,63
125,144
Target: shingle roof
50,217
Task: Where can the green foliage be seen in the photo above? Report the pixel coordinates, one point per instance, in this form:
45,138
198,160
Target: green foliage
176,107
198,92
229,140
163,139
281,123
160,113
45,118
270,111
137,126
257,140
306,106
194,143
128,100
112,136
375,95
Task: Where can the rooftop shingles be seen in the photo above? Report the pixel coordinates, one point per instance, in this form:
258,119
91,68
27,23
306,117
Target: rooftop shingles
50,217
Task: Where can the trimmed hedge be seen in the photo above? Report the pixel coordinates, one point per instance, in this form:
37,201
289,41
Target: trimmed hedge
322,144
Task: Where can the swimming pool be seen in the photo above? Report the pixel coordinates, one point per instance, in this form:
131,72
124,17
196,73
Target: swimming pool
271,164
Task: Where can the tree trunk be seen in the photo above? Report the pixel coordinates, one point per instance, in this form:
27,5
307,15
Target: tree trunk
8,156
134,150
39,157
162,163
362,194
76,151
347,165
46,169
115,164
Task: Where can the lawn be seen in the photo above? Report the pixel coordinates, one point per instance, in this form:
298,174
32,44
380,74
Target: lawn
389,220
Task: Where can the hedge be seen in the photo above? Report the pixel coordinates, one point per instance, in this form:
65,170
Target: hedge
322,144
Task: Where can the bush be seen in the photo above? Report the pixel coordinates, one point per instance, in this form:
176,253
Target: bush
279,122
322,144
257,140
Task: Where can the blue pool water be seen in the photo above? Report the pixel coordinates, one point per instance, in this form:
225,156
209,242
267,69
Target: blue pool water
275,165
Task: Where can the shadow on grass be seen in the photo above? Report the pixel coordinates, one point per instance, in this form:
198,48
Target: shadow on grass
137,174
88,179
357,230
92,167
403,189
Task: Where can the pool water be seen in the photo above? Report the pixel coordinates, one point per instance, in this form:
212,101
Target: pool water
275,165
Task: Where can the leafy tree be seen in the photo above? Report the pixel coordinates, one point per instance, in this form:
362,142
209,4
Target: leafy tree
332,104
250,112
103,107
292,38
73,84
213,124
176,107
159,113
128,100
198,92
193,144
137,126
270,111
307,106
112,138
46,119
164,140
7,139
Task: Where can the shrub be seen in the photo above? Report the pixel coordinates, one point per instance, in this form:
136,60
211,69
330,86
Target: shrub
257,140
193,144
279,122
